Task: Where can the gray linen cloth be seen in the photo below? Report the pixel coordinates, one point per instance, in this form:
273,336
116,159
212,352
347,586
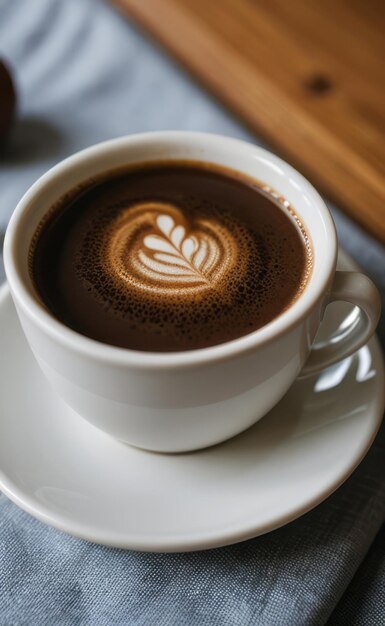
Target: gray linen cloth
83,75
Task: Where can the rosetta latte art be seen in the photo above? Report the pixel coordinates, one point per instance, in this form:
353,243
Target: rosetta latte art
152,247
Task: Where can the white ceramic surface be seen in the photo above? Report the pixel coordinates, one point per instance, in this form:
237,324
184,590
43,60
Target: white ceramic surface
69,474
186,400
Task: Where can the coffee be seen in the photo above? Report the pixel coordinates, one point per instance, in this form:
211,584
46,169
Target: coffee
170,256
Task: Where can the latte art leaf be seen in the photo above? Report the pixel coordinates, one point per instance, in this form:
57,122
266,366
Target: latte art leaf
171,256
181,250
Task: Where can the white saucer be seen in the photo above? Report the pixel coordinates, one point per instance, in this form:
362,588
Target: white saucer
66,473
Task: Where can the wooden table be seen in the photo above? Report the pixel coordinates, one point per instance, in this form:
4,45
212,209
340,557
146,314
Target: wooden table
306,75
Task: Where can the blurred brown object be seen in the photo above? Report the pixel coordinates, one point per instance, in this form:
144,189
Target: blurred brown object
7,100
306,75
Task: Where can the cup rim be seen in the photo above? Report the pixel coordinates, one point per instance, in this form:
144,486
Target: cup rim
83,345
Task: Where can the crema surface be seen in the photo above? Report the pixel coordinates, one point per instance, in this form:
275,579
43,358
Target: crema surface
170,256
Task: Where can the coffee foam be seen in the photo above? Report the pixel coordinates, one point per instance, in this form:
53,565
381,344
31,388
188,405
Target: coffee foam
178,266
152,247
155,261
163,268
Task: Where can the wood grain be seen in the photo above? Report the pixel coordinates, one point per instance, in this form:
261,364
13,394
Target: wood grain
306,75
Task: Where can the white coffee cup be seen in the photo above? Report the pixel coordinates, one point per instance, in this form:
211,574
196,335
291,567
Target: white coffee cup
173,402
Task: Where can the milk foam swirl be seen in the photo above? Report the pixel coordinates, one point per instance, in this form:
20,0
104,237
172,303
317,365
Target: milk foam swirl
152,247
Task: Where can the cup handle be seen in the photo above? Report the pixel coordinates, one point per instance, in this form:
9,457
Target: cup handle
359,290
